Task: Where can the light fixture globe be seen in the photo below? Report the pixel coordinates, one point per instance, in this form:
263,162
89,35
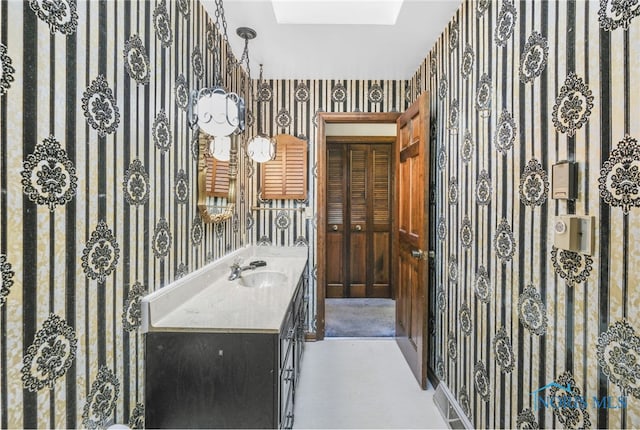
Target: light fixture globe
219,113
220,148
261,148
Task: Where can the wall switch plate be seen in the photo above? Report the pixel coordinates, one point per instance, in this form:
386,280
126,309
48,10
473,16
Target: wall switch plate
564,180
588,233
566,233
574,233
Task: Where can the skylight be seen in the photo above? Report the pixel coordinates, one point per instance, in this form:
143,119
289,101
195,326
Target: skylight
351,12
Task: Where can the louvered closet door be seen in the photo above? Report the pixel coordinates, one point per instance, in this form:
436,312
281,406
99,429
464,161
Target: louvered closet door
358,235
380,215
358,253
336,208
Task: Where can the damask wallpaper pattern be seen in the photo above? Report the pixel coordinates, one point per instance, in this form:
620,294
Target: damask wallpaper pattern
98,206
518,86
98,203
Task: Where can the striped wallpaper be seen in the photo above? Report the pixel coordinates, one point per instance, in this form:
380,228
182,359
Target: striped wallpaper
98,176
516,87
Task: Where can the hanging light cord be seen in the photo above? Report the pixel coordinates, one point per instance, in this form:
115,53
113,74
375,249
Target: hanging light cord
245,57
221,24
220,19
259,103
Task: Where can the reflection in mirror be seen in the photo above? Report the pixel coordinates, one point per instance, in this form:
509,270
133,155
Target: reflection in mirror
216,181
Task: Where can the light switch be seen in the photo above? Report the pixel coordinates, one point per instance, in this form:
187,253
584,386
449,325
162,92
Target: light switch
574,233
566,233
587,236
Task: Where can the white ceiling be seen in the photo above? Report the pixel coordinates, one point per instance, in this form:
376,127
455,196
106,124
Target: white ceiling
295,51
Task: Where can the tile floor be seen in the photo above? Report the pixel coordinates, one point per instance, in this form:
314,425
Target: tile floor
357,383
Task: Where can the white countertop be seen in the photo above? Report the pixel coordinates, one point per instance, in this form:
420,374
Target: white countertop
206,301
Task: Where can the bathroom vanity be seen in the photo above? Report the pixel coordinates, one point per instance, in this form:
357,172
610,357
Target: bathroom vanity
226,354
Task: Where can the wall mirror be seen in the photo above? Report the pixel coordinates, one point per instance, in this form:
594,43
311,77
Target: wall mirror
216,180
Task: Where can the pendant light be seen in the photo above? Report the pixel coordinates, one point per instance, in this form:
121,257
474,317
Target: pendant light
220,148
215,111
261,147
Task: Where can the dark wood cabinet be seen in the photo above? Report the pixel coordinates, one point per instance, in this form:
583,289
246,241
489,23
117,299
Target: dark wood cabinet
226,380
359,196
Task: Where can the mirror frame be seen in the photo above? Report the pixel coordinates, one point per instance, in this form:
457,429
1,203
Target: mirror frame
203,207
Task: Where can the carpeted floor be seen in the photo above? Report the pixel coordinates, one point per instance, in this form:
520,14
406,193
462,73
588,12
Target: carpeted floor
360,317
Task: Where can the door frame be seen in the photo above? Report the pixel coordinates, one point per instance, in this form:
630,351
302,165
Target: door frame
325,118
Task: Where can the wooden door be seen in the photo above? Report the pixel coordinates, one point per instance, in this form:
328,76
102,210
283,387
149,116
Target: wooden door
336,271
380,210
413,236
359,199
358,222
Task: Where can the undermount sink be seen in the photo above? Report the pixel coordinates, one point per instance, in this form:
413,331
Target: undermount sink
262,279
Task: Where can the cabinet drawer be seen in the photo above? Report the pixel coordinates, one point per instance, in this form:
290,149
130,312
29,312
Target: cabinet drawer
287,338
286,422
300,340
287,375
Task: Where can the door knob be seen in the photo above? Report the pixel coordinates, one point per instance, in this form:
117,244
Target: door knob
334,228
419,254
358,228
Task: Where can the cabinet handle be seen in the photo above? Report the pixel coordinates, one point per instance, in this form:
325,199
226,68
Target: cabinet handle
289,422
334,228
289,376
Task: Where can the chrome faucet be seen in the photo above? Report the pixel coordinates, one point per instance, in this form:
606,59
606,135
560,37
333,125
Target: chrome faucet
237,269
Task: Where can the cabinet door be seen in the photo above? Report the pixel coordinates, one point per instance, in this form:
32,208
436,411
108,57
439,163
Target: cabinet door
211,380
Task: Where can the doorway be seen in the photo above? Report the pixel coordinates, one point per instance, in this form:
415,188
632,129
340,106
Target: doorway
410,232
331,243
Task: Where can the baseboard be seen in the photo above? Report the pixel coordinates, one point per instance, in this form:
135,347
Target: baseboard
450,409
432,377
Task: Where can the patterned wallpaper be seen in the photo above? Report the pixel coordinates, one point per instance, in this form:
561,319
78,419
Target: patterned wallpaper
516,87
98,197
98,177
292,106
